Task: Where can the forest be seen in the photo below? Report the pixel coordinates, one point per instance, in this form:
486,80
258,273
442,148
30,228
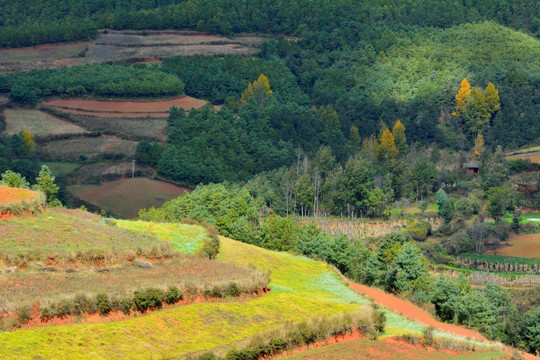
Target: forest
36,22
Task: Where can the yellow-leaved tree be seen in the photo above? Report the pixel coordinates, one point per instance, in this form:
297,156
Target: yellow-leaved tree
28,140
398,131
479,145
387,150
259,90
475,106
462,96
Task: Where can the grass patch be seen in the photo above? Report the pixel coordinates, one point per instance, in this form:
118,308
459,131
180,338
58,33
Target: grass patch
186,239
60,237
391,350
61,168
88,148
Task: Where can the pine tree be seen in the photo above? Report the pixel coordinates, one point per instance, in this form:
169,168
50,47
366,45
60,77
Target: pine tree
354,137
398,131
45,183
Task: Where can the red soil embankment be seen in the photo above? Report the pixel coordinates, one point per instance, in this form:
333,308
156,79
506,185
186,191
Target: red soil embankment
412,312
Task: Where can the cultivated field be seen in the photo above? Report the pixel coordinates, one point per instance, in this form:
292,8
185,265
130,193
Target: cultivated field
126,196
525,246
532,153
388,349
124,109
300,287
57,263
357,229
151,128
87,148
117,46
72,238
39,124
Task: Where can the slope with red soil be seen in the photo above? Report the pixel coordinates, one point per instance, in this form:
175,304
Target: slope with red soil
412,312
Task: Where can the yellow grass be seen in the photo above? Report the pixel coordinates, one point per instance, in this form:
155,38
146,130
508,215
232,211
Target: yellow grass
38,123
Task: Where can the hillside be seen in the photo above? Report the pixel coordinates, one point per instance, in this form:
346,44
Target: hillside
300,287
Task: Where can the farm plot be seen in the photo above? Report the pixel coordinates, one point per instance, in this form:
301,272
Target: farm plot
39,124
67,238
532,153
127,46
104,147
125,109
127,196
183,271
525,246
151,128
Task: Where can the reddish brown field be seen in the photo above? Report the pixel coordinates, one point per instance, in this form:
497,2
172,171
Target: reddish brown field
526,245
411,311
127,196
123,107
10,195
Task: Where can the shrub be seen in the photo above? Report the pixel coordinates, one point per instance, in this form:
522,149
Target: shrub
210,247
172,295
148,300
429,335
418,230
24,314
103,304
232,290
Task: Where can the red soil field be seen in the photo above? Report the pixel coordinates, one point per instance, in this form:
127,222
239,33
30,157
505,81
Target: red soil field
185,102
9,195
411,311
162,114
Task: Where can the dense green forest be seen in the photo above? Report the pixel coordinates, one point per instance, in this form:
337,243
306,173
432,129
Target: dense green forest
97,80
26,23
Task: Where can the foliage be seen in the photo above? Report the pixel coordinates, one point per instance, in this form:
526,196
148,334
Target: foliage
14,180
45,183
98,80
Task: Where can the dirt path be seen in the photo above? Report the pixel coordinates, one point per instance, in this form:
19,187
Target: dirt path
412,312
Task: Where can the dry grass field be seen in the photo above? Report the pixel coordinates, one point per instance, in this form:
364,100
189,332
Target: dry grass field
120,46
89,148
151,128
127,196
525,246
39,123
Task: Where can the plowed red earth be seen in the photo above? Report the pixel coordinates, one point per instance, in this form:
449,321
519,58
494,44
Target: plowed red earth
185,102
411,311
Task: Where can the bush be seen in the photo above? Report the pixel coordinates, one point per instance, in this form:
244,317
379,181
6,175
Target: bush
232,290
173,295
210,247
429,335
24,314
103,304
418,230
148,300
